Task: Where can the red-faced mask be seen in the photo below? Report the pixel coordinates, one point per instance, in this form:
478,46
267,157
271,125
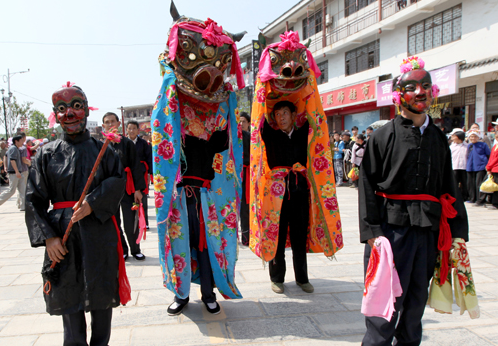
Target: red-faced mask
71,109
415,89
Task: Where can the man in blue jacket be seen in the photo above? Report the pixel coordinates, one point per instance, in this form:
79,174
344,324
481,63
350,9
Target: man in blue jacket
477,158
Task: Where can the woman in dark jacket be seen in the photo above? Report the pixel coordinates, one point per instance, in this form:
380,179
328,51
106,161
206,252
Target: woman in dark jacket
477,158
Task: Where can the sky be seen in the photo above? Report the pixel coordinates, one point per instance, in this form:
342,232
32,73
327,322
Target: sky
109,48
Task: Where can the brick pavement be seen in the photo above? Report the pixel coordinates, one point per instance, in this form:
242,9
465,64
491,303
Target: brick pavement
329,316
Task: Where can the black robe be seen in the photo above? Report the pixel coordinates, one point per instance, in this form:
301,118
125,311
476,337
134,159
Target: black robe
89,272
127,153
398,159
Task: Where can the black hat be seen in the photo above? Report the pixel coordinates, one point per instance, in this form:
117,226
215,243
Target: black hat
370,128
346,133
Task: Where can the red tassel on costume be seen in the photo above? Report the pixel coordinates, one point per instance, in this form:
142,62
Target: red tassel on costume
124,284
130,186
202,234
142,225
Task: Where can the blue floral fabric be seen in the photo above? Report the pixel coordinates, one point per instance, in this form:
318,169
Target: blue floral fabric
220,203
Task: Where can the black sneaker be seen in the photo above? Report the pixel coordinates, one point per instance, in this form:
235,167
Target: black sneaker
213,308
125,256
139,256
176,308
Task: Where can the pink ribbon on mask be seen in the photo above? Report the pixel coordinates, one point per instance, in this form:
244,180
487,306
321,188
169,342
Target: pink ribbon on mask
214,36
290,41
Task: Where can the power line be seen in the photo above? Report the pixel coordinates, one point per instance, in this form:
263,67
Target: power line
84,44
34,98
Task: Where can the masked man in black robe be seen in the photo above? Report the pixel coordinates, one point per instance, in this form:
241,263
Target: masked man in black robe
405,178
86,277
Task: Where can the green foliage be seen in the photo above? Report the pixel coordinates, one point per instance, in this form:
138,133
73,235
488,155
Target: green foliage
38,125
15,112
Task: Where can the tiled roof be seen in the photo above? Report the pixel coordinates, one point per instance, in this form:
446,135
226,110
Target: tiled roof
478,63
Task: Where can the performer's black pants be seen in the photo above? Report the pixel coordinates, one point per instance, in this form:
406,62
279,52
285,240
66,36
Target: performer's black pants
75,328
129,225
494,196
244,216
414,252
145,203
293,217
474,181
205,271
461,180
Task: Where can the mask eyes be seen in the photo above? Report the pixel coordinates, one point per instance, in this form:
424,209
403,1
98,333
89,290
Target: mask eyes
77,105
273,58
427,86
61,108
186,45
303,57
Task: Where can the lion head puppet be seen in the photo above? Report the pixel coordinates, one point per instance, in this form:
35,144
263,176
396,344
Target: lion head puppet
287,72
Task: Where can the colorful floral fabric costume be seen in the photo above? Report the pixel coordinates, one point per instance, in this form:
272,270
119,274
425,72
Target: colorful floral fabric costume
268,186
220,202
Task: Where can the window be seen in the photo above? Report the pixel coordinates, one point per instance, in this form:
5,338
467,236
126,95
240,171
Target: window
352,6
324,68
312,24
442,28
362,58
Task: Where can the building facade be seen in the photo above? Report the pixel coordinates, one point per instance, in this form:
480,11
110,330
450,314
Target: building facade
141,114
359,45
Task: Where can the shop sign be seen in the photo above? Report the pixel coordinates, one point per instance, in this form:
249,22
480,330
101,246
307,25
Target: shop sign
348,96
145,126
446,79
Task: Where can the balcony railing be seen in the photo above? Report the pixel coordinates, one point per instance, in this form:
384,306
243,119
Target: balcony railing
344,26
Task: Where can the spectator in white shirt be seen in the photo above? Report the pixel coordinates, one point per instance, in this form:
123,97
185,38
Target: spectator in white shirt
459,160
357,153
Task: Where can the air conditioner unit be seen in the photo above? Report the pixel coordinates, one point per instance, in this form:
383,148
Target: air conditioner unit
328,20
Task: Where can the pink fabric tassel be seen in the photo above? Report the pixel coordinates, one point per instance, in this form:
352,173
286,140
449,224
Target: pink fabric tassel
382,284
142,225
93,108
51,120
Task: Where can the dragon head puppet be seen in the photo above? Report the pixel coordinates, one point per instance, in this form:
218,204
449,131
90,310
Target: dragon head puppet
201,53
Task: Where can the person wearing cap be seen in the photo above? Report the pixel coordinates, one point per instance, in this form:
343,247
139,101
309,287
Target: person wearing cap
477,157
482,136
495,123
348,147
458,149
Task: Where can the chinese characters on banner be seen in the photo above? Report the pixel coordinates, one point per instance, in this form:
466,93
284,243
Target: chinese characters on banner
351,95
446,78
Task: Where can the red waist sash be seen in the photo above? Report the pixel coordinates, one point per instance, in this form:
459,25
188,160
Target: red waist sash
130,186
447,212
146,191
248,182
202,225
124,284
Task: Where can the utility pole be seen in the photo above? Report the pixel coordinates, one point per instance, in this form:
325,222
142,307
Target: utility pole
6,79
5,116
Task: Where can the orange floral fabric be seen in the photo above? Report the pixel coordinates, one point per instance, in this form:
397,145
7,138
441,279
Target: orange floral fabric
268,186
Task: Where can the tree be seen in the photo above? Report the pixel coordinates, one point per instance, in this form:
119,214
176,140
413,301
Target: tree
16,114
38,125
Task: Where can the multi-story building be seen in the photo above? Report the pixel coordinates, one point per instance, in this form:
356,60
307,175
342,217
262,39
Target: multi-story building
141,114
359,45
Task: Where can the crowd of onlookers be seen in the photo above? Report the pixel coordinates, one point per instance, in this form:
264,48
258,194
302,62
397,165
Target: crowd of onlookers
348,148
14,167
475,159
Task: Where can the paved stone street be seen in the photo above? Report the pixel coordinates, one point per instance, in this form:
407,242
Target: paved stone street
329,316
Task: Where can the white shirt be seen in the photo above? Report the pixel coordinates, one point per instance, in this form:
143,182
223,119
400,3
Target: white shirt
134,140
424,126
459,155
290,133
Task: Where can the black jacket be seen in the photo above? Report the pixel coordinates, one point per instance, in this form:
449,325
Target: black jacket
128,155
89,272
144,153
398,159
284,151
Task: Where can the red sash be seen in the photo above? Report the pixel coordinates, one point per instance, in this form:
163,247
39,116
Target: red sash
146,191
130,186
124,284
202,233
248,183
447,211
